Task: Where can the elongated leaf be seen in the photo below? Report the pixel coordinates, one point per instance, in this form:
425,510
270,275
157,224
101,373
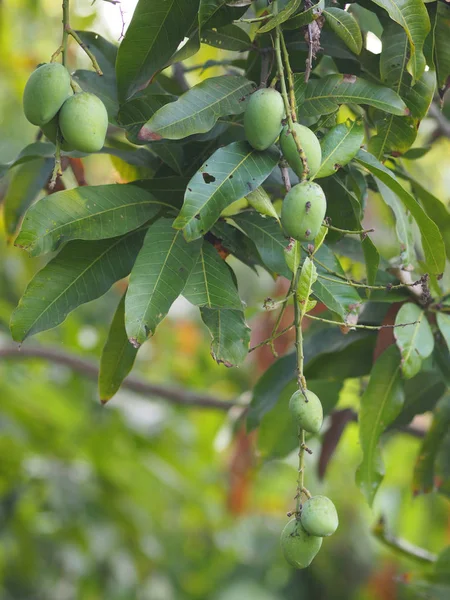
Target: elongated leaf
229,37
198,110
161,271
27,180
104,51
155,31
117,358
104,87
413,17
291,7
424,470
216,13
230,335
381,403
261,202
210,283
443,321
339,146
345,26
307,16
441,47
432,242
323,96
81,272
268,238
415,342
421,395
229,174
30,152
308,276
238,244
86,213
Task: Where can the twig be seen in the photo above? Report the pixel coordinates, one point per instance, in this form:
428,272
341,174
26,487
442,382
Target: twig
272,338
348,231
358,326
402,546
290,74
84,47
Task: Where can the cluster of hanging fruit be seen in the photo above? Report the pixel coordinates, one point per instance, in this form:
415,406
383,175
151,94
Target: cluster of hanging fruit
305,205
80,118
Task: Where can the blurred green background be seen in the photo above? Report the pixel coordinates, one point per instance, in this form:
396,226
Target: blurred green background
145,500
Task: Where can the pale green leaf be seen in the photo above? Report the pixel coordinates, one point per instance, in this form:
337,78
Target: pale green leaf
443,321
230,335
415,342
261,202
308,276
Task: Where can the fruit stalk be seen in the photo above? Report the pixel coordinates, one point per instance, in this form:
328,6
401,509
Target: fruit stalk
290,75
65,38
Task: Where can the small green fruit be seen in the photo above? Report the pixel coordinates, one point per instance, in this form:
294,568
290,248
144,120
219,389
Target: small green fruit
309,143
84,121
45,92
303,211
50,129
319,516
262,118
309,415
299,548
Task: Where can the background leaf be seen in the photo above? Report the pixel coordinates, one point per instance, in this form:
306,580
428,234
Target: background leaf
415,342
230,335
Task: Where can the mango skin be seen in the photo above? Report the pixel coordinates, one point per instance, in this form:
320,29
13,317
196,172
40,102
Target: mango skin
45,92
84,121
319,516
308,415
50,129
298,547
262,118
303,211
310,144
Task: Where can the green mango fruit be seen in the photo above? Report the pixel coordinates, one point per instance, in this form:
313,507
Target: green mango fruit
310,144
307,414
262,118
50,129
298,546
45,92
84,121
303,211
319,516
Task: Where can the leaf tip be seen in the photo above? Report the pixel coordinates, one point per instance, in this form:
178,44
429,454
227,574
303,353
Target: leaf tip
146,135
135,343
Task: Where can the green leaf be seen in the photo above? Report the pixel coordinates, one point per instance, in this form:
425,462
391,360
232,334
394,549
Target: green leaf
261,202
424,470
236,242
268,237
339,146
117,358
81,272
210,283
228,175
105,87
155,32
230,37
322,96
345,27
230,335
291,7
415,342
441,47
432,242
443,321
307,16
421,394
86,213
104,51
308,276
27,180
158,277
413,17
198,110
381,403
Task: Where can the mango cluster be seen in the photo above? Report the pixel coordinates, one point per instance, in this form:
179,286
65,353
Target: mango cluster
302,536
304,207
49,103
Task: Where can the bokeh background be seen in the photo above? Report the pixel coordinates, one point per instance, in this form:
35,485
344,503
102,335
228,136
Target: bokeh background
145,500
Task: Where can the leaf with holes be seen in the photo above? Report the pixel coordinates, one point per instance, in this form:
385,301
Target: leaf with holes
339,146
117,358
81,272
158,277
381,403
86,213
210,282
415,342
198,110
228,175
230,335
345,26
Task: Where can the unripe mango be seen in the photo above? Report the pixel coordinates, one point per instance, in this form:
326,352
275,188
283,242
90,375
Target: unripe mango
84,121
303,211
307,414
319,516
45,92
310,145
262,118
50,129
298,546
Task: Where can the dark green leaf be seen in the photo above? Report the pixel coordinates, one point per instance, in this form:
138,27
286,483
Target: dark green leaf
229,37
117,358
81,272
421,394
415,342
440,46
443,321
104,87
345,27
230,335
158,277
285,14
339,146
307,16
381,403
229,174
104,51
